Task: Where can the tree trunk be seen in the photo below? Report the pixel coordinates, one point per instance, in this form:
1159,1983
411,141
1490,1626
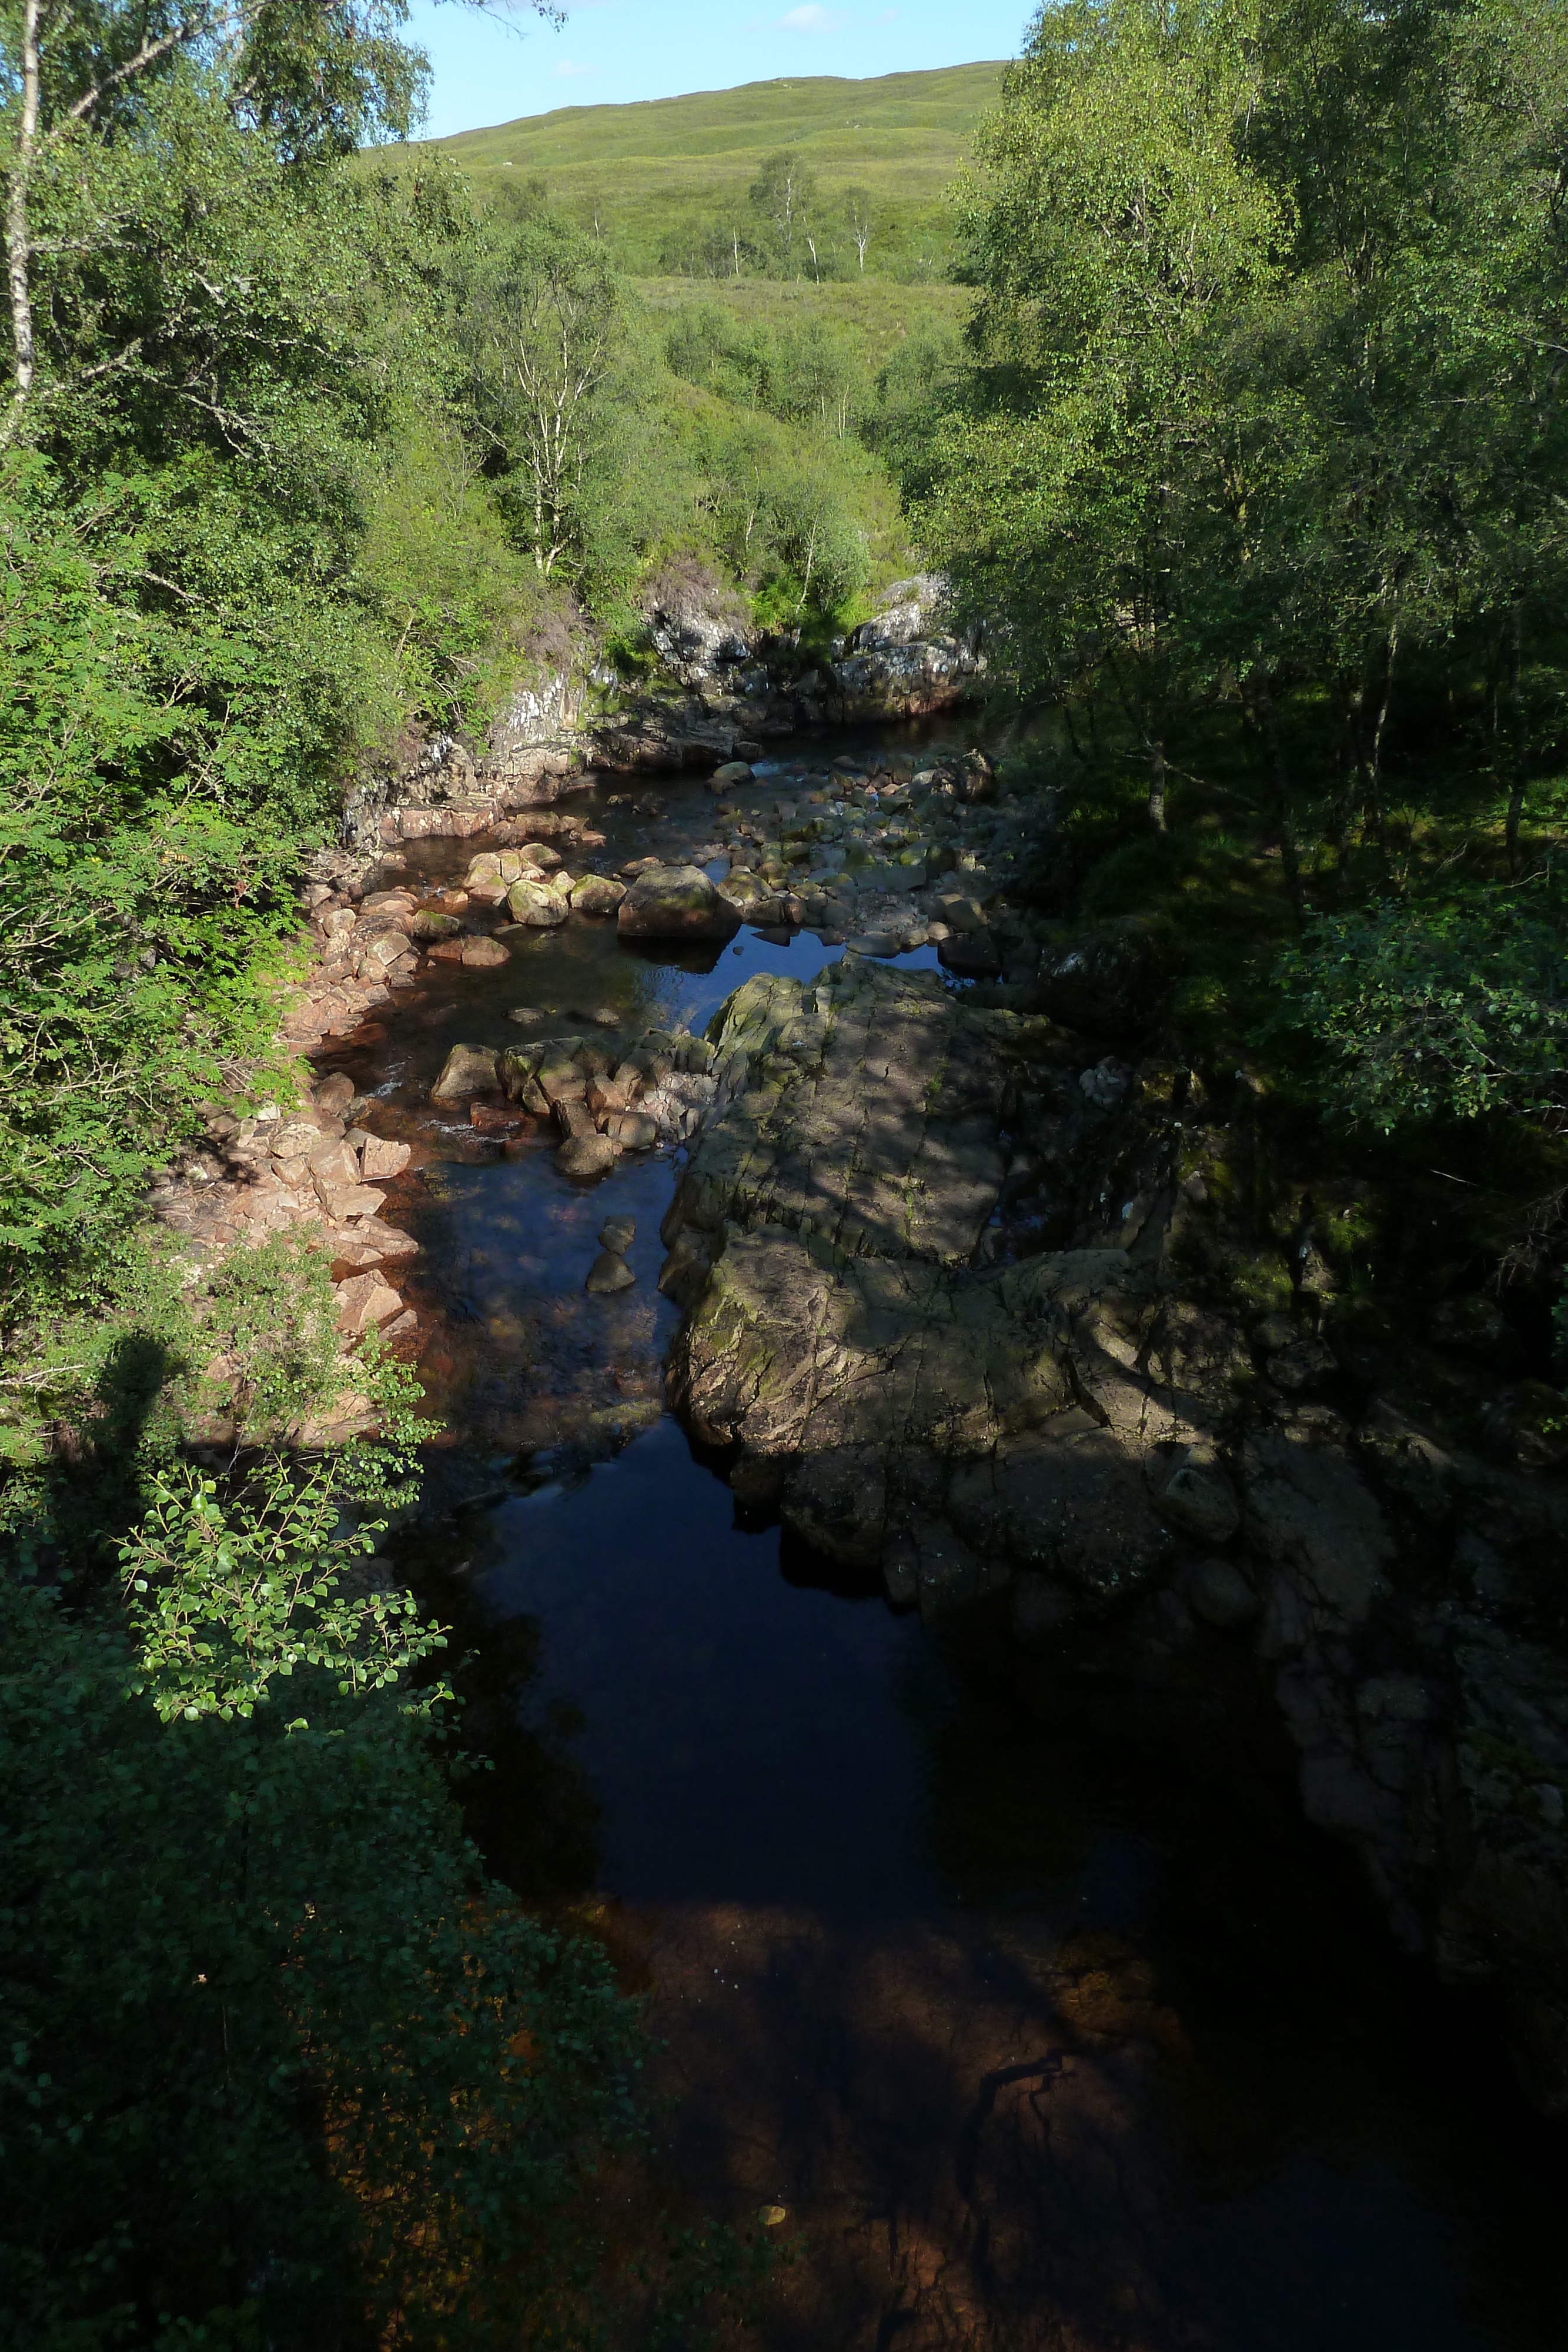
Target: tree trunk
1517,748
1374,761
1156,755
18,243
1284,805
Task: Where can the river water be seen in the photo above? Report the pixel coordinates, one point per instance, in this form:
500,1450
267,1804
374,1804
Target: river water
1017,1979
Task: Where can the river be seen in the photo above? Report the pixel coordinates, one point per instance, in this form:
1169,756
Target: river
1019,1979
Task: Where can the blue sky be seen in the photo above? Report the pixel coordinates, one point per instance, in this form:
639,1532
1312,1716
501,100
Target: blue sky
612,50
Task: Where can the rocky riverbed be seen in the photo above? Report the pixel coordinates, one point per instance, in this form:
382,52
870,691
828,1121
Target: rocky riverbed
970,1297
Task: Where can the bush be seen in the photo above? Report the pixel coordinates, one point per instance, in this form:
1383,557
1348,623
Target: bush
1435,1012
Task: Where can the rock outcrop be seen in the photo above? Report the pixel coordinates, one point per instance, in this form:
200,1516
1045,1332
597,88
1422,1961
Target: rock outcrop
725,691
981,1309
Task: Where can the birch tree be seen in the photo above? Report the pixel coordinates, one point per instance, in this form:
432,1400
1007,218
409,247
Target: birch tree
544,330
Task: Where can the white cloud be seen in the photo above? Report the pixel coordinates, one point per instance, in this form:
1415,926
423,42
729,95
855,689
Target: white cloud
568,70
811,18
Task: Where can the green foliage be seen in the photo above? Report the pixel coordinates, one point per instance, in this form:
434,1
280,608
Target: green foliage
278,2064
1252,467
1437,1012
220,1602
437,564
541,321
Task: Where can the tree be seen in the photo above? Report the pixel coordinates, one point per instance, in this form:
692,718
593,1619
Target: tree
858,214
316,79
784,196
1115,242
543,325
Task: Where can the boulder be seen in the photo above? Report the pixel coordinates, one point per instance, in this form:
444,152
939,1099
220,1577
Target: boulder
618,1234
343,1201
334,1161
365,1300
970,957
586,1158
537,904
608,1274
331,1096
484,954
468,1070
430,924
597,894
1201,1500
1219,1593
1111,984
633,1130
380,1159
676,902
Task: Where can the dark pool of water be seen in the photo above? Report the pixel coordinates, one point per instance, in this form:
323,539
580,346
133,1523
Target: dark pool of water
890,1876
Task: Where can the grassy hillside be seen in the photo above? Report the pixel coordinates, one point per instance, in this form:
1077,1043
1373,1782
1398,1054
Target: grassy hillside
650,174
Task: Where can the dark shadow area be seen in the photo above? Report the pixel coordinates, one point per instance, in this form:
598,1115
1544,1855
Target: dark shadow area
95,1478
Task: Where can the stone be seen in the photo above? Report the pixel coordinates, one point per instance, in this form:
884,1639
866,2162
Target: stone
536,904
608,1274
1201,1500
597,894
331,1096
633,1130
733,771
837,1501
429,923
342,1201
370,1238
538,854
604,1098
618,1234
525,1015
334,1164
1302,1367
676,902
379,1158
573,1116
363,1301
969,957
484,954
1312,1513
1219,1593
586,1158
562,1082
1113,982
468,1070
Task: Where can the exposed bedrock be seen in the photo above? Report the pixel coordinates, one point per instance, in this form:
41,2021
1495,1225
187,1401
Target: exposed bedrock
1140,1415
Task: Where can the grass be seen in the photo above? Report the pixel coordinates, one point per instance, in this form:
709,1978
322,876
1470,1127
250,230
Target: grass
643,174
879,312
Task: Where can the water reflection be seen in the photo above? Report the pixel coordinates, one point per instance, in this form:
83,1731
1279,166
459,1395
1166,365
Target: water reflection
1019,1978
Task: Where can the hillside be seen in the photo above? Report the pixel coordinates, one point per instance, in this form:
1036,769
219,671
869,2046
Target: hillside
653,176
